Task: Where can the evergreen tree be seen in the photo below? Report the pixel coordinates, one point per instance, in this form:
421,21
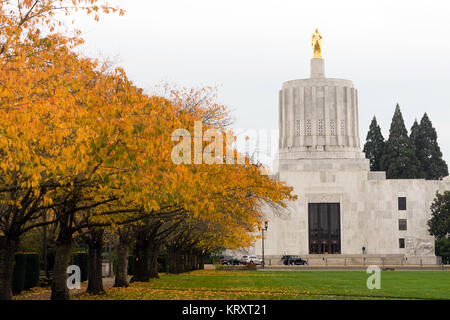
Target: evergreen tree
415,138
439,224
374,146
424,140
399,159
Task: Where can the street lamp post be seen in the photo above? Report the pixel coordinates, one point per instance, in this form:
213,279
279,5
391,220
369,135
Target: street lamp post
263,229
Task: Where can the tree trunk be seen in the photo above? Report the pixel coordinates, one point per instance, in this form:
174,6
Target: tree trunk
201,262
170,260
62,260
152,260
95,283
195,261
188,263
185,265
122,265
141,264
146,266
176,261
8,249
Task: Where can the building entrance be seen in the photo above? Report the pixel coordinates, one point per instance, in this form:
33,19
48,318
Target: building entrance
324,220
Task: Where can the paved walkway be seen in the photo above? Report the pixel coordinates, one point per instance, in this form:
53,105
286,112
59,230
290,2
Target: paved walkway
356,267
39,293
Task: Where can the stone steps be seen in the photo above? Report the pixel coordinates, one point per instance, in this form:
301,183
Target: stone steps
357,268
361,260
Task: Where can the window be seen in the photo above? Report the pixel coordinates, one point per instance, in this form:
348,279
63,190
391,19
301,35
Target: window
401,203
320,125
308,127
401,243
342,127
332,128
402,224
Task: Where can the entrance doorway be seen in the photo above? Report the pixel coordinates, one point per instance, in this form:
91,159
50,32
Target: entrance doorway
324,220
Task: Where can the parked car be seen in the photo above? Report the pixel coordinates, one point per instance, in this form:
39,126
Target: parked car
250,259
229,260
244,259
293,260
226,260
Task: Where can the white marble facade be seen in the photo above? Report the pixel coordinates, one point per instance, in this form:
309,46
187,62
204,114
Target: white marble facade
320,156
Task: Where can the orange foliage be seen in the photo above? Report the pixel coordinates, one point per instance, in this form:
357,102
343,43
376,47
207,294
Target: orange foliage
74,130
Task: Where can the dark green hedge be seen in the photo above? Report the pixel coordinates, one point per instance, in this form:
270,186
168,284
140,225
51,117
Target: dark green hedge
131,265
26,272
81,260
32,271
18,284
442,248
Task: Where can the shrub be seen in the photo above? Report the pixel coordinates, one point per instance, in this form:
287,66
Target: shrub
131,265
81,260
19,273
31,270
442,248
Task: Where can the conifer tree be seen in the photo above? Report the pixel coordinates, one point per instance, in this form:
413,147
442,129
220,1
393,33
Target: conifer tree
439,224
424,140
374,146
399,159
415,139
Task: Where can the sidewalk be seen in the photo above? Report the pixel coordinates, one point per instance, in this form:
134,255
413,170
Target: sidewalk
40,293
357,267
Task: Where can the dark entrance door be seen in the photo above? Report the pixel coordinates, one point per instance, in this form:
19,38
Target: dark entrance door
324,228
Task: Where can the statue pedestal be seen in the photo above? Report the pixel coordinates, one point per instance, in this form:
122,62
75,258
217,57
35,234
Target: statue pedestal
317,68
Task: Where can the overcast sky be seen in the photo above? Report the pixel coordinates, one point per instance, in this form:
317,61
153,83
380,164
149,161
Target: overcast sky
393,51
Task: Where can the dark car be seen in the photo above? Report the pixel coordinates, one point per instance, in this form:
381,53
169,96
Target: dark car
229,260
226,260
293,260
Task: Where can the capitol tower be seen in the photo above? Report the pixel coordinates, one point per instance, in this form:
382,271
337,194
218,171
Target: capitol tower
318,123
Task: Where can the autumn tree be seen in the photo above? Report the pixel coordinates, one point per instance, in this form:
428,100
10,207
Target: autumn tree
207,199
32,167
37,78
80,143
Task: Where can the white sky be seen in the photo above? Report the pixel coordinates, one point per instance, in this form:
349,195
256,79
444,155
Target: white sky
393,51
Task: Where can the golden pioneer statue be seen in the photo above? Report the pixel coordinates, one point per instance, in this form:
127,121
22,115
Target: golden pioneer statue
317,44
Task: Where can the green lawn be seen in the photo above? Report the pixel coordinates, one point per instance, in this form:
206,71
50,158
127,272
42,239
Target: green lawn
259,285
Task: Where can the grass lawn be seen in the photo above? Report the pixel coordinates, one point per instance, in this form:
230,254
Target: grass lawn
260,285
